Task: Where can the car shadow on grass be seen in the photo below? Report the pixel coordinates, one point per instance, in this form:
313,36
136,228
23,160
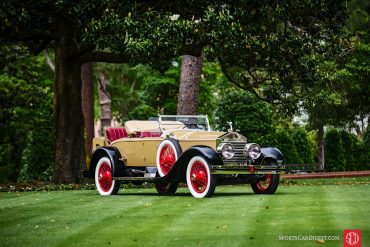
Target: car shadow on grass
187,194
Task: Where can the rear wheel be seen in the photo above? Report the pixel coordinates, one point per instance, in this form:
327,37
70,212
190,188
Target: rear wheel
104,178
166,188
199,178
167,154
268,185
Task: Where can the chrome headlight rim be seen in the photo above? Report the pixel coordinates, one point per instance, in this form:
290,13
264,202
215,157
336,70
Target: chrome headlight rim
252,150
226,150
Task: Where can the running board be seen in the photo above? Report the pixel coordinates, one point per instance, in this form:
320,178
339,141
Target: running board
141,179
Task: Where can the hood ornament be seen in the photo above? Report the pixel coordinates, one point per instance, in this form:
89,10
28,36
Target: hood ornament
231,127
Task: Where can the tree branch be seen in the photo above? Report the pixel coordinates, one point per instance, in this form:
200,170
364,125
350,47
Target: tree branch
297,29
249,86
104,57
48,60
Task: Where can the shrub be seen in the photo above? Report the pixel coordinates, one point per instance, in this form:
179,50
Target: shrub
250,117
302,145
334,152
286,145
25,119
366,144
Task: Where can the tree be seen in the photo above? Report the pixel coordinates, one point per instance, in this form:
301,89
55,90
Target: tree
86,31
274,36
87,96
191,71
104,102
295,62
25,119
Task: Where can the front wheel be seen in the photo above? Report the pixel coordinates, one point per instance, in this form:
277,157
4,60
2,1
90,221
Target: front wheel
266,186
104,178
199,178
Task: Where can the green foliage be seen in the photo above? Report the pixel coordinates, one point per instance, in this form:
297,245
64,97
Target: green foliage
367,139
312,139
133,87
345,151
366,143
249,116
287,146
213,83
334,151
36,162
25,119
142,112
302,144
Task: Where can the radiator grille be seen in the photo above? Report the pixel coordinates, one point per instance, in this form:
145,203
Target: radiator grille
238,157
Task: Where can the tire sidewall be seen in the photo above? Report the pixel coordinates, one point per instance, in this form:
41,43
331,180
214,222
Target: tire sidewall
98,165
274,183
161,145
196,194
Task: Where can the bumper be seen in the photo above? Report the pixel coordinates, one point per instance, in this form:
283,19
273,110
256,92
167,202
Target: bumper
248,169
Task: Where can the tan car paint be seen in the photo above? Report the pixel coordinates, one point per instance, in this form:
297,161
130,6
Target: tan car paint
143,151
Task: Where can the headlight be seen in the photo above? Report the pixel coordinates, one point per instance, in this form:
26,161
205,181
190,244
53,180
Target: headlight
252,150
226,150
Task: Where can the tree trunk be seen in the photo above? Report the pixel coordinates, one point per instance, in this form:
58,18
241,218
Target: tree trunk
87,95
191,70
68,118
105,103
321,146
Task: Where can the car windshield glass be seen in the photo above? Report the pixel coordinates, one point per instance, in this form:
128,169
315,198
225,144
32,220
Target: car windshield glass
199,122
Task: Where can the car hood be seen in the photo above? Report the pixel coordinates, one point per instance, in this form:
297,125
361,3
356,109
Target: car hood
195,135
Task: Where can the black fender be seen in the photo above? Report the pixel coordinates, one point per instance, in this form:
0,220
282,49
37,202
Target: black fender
115,157
178,171
269,153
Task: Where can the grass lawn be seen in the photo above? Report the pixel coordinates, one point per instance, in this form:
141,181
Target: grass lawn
234,216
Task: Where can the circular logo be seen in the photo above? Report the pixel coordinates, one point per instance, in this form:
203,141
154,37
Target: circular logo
352,238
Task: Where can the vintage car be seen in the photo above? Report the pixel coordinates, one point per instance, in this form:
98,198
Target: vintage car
181,149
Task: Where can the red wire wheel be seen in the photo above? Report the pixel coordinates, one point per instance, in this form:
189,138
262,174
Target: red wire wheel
167,155
104,178
166,188
266,186
201,182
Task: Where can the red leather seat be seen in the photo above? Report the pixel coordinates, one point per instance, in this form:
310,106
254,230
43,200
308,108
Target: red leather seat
150,134
113,134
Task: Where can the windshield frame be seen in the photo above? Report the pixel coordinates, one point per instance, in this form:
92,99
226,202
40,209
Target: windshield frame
191,122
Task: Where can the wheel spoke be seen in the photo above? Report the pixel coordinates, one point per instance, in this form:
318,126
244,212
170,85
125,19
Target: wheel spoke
105,177
167,158
264,184
199,177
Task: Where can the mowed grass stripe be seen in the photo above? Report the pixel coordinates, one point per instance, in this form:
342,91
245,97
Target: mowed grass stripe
50,223
234,216
134,226
216,221
351,209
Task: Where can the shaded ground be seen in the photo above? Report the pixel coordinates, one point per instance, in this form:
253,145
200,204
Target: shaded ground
234,216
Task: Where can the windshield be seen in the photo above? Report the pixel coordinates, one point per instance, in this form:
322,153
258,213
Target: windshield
197,122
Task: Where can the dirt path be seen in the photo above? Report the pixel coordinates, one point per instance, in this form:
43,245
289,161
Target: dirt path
327,175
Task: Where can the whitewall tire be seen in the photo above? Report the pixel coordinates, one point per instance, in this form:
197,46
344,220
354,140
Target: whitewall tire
167,154
104,178
199,178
